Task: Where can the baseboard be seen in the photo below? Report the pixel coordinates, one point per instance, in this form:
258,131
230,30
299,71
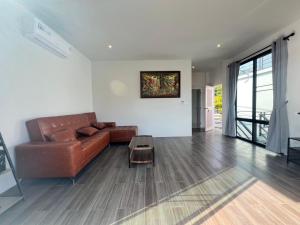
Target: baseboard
199,129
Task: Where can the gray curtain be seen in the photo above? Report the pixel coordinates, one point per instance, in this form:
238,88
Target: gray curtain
230,125
279,126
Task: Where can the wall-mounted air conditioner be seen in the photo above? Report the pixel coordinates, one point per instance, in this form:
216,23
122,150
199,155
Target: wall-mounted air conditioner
43,35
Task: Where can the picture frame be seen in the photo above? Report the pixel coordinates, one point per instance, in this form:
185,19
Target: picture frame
160,84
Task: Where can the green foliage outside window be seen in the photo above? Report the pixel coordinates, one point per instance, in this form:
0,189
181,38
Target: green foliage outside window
218,98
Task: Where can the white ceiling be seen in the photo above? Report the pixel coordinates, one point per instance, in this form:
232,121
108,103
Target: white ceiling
164,29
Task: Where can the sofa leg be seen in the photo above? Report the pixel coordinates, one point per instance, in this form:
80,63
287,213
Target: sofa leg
73,179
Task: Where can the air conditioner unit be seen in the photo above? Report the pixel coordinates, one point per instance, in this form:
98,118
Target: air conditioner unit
43,35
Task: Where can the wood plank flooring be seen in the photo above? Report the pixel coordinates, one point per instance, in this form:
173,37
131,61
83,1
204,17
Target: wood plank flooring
204,179
8,202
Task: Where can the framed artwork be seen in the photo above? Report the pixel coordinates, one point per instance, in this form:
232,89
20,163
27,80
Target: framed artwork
160,84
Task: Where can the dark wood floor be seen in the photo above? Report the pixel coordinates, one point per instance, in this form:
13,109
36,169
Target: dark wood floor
207,179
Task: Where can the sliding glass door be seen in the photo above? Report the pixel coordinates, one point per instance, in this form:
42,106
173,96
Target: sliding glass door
254,98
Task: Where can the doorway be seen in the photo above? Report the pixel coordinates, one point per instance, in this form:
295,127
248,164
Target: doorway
196,110
218,112
209,108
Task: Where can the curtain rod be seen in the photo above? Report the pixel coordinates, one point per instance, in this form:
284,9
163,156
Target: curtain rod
286,38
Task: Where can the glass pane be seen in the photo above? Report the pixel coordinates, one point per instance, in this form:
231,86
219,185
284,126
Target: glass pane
244,130
245,91
264,88
261,133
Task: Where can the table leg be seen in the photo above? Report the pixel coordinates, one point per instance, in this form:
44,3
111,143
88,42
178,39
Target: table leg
153,157
129,157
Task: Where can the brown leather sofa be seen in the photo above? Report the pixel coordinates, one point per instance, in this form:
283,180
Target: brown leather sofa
117,133
44,157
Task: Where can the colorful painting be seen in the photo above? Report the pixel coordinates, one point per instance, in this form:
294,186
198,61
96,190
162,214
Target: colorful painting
160,84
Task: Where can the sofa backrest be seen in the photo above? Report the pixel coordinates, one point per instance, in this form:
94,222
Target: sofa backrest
39,128
91,117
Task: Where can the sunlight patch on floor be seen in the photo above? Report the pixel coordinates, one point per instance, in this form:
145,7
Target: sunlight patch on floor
259,204
195,202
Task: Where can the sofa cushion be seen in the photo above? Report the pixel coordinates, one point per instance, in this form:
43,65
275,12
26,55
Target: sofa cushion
99,125
40,128
87,131
110,124
94,144
65,135
122,133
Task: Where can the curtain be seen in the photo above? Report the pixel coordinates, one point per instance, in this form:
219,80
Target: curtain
230,125
279,126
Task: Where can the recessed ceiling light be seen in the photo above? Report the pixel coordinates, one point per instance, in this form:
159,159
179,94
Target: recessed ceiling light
219,45
109,46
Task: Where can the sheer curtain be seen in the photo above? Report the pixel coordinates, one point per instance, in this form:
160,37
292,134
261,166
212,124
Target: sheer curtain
230,125
279,126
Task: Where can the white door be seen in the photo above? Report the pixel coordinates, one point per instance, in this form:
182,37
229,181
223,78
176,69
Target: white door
209,108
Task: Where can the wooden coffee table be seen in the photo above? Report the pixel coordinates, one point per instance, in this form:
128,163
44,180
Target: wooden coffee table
141,144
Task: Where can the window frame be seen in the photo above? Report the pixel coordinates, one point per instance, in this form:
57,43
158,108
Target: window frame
253,120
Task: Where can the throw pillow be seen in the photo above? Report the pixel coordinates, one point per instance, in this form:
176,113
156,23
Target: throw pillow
87,131
99,125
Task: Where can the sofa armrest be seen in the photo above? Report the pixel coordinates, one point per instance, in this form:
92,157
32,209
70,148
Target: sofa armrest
110,124
49,159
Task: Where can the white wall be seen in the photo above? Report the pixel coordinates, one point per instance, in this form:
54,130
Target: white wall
116,92
293,72
34,82
216,75
219,76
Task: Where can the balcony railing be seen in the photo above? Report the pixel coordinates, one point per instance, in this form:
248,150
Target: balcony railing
245,128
